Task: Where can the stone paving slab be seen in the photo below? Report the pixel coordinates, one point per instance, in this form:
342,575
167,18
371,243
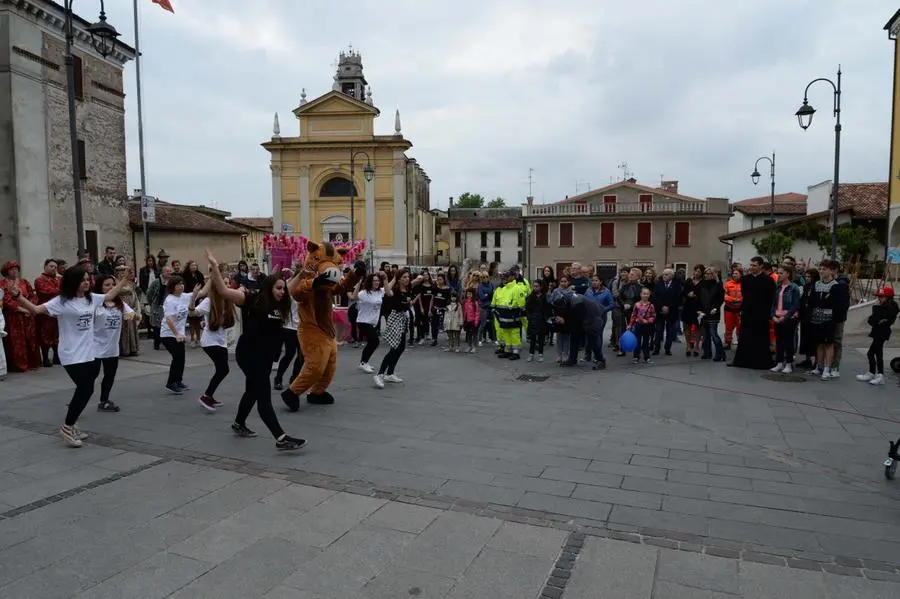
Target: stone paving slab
681,450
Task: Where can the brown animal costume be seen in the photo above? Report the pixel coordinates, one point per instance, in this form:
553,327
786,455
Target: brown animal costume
314,295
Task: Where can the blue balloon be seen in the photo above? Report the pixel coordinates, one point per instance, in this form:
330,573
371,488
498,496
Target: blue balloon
628,342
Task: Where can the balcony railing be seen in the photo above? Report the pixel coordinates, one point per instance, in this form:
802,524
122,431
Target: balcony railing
630,208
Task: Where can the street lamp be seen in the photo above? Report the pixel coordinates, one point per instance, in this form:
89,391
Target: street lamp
369,174
804,117
103,39
755,176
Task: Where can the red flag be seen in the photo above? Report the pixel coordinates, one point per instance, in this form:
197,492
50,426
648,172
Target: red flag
165,4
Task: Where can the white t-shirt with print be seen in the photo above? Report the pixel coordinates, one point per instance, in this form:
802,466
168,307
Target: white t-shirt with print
218,338
76,327
108,330
176,308
294,323
369,306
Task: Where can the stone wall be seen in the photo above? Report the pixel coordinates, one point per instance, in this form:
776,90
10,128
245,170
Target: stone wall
101,125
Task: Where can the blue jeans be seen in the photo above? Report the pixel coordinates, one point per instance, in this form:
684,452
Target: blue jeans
486,325
711,336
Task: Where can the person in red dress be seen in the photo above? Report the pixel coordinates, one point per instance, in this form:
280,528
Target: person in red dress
20,343
46,286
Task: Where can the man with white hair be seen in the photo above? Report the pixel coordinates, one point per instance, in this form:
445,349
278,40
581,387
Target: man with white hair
666,300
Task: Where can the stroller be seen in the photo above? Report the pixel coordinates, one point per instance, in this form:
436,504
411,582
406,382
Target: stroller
890,462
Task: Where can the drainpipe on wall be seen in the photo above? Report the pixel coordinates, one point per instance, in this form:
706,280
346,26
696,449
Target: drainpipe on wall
730,245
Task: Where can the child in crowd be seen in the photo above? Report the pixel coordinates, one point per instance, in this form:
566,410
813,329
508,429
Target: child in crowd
537,310
642,322
453,323
471,319
884,314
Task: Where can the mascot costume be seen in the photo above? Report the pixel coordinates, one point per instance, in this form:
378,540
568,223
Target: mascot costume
314,296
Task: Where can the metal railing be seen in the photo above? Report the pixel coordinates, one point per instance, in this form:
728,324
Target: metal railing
584,209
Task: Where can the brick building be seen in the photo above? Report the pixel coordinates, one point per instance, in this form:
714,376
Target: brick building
37,211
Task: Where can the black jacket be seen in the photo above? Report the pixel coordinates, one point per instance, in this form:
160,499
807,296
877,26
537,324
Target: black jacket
883,316
584,314
669,297
710,296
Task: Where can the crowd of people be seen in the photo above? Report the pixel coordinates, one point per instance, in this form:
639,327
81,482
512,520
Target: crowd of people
86,317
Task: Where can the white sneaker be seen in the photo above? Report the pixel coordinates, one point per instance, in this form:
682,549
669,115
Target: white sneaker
366,368
540,357
456,350
835,373
826,375
788,368
480,343
530,358
448,349
865,378
777,368
878,379
814,372
379,381
81,436
68,436
392,378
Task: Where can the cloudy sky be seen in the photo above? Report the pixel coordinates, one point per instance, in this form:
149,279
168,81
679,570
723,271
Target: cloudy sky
693,90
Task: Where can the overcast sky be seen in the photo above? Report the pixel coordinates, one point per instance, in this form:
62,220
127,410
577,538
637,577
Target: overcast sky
693,90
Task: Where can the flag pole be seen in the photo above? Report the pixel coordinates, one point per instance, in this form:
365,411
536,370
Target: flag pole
140,116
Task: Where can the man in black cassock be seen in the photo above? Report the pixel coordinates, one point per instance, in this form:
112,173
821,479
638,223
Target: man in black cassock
758,291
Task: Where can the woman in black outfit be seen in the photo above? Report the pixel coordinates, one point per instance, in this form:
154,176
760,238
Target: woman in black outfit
807,346
398,296
263,313
689,308
424,305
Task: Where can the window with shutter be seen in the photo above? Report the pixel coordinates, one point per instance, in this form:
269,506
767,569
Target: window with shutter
496,239
609,203
566,235
82,160
484,239
683,234
646,201
79,77
644,234
457,239
607,234
542,235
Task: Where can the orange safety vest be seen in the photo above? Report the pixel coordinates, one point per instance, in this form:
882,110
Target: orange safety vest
733,297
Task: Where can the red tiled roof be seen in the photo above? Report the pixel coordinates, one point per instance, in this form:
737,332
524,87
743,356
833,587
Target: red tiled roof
865,199
264,223
785,204
174,217
482,224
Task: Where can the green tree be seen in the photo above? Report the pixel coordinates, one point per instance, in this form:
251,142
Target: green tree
852,242
497,202
773,246
470,200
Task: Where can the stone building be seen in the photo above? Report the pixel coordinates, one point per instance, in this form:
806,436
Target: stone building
312,190
37,211
486,235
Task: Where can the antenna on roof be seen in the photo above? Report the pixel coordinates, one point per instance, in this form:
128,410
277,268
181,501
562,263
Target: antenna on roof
626,174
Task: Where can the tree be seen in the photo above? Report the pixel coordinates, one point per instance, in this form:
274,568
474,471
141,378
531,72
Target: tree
470,200
773,246
497,202
852,241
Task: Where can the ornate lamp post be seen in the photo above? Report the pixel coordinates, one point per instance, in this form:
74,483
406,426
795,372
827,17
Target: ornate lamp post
103,39
755,176
804,117
369,174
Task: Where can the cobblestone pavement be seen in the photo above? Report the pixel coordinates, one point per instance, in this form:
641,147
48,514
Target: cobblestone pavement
670,480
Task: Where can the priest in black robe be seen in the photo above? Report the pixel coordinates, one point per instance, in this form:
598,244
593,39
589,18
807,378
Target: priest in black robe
758,291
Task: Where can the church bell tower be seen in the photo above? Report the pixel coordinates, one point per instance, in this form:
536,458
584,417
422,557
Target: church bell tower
349,78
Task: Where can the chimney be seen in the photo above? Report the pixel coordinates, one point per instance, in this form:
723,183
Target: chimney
451,201
631,180
670,186
529,200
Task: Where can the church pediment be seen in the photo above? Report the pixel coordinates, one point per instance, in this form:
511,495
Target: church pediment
335,103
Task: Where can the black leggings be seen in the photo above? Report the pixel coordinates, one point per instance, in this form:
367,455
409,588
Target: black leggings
390,360
110,366
370,333
352,313
257,390
83,375
219,357
876,356
536,343
176,368
291,349
437,319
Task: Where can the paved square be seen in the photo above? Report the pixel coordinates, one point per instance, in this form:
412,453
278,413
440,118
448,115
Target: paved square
689,479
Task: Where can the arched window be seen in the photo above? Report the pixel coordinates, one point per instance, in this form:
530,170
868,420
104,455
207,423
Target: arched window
338,187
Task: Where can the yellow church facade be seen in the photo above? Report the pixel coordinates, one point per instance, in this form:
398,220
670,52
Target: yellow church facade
338,181
893,29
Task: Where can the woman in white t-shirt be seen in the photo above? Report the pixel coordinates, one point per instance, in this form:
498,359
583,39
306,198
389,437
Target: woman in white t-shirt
171,334
108,321
218,317
291,343
74,309
368,304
